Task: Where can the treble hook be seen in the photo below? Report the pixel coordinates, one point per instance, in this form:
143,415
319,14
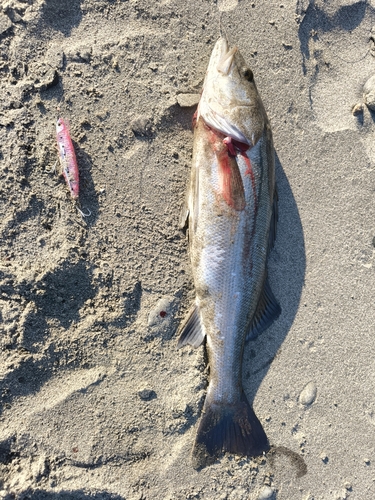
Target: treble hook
83,215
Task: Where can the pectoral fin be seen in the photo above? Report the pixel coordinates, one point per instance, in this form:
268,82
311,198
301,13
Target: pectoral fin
268,310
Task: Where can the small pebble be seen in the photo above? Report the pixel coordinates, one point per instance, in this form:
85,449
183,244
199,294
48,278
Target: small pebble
287,46
142,126
147,394
324,458
226,5
238,494
369,93
266,493
308,394
50,79
188,100
357,109
5,24
367,461
348,485
308,497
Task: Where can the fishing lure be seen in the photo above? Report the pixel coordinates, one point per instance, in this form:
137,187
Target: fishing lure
67,156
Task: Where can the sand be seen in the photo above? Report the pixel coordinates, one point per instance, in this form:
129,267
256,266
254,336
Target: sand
96,401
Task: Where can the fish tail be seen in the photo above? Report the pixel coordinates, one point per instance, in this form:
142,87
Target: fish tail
231,428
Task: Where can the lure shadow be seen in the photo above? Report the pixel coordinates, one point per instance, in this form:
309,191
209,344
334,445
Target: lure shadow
315,20
87,195
286,269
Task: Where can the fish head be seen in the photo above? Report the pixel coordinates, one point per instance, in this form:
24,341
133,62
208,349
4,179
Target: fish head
230,102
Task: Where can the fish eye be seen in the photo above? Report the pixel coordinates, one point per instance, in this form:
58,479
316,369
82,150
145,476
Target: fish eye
248,74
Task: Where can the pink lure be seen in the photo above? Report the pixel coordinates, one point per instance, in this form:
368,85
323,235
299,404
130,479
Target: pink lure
67,158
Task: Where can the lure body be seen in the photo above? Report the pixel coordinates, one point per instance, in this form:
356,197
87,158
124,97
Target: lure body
67,157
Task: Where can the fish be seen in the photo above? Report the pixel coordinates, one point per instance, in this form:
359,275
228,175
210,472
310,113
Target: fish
67,157
230,217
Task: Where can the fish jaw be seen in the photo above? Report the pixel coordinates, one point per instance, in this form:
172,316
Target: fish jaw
225,62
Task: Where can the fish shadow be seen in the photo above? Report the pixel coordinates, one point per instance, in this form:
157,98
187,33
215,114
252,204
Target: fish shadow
286,271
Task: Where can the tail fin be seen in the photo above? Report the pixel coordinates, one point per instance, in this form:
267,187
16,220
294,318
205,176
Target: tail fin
235,429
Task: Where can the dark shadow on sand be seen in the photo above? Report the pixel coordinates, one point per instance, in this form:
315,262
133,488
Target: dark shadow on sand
62,15
286,269
315,21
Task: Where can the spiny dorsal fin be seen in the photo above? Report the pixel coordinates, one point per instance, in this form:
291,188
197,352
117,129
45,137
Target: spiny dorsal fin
268,310
190,331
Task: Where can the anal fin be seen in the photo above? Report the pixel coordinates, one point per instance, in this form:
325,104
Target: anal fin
268,310
190,331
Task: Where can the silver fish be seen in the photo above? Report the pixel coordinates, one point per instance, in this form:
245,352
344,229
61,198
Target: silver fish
231,213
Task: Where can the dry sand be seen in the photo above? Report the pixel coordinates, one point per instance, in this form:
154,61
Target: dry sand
96,402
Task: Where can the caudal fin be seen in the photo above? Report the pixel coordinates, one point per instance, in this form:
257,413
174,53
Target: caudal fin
235,429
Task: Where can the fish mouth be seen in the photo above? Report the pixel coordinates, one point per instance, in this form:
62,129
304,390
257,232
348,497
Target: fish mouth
225,63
